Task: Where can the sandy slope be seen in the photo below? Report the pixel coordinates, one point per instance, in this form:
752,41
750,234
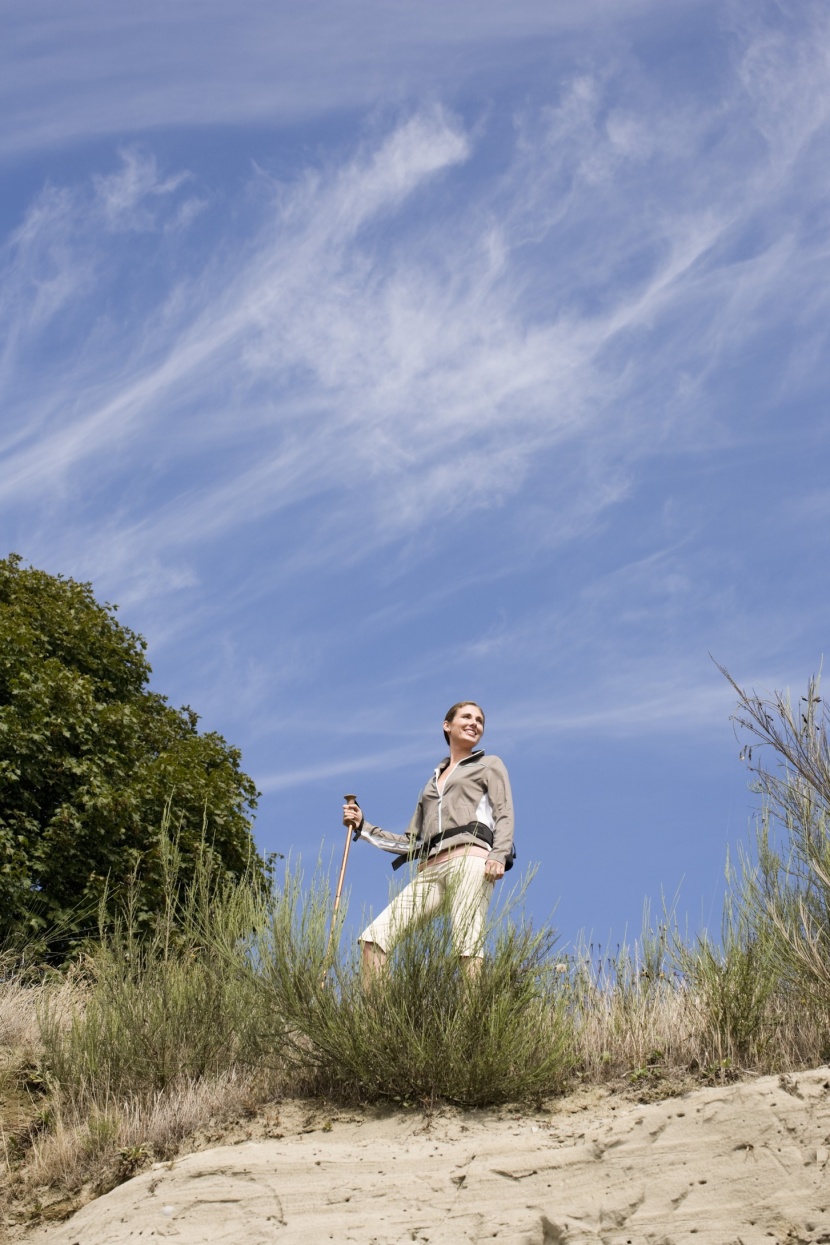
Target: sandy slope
746,1163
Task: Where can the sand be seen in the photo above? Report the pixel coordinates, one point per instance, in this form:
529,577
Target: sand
745,1163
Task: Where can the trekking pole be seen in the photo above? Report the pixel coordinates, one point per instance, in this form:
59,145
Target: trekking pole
350,799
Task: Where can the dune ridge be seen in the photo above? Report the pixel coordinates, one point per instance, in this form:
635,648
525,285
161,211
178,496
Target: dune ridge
743,1164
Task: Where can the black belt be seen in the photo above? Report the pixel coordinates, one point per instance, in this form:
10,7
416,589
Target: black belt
476,830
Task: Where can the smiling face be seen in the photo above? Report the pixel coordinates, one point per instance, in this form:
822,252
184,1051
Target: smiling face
464,726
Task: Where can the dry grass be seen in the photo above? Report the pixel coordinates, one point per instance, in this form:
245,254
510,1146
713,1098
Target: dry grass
110,1143
667,1033
112,1062
652,1023
667,1013
62,1144
18,1016
620,1032
115,1062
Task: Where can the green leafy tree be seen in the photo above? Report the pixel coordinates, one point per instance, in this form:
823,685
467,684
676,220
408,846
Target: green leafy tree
90,759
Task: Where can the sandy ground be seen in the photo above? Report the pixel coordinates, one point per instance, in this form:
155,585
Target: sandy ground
744,1164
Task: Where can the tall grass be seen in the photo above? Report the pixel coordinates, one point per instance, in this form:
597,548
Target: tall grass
157,1008
670,1008
784,891
145,1038
425,1029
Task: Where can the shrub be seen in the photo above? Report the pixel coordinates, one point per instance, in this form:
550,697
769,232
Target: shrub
423,1029
785,895
156,1007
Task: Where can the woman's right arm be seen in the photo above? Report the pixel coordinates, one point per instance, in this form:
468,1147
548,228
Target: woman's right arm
386,840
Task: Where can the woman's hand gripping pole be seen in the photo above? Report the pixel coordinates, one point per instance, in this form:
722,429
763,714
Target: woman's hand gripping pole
351,825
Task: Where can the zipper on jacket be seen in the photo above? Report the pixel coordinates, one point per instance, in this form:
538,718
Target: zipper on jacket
440,790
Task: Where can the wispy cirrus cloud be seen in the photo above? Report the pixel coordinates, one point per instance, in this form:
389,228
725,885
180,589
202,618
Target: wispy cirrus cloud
358,346
385,759
200,64
124,197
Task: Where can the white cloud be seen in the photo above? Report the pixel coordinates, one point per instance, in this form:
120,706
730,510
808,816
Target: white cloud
678,706
385,759
103,69
122,195
360,348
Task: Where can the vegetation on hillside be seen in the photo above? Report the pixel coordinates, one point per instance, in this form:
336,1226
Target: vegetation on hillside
90,758
227,998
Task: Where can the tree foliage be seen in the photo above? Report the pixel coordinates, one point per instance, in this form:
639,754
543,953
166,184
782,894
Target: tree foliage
90,758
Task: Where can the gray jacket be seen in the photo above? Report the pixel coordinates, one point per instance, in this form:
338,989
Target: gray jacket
475,793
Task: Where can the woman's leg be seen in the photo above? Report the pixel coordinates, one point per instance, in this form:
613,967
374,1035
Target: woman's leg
470,895
417,900
372,961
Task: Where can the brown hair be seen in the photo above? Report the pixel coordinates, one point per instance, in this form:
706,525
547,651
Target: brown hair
450,714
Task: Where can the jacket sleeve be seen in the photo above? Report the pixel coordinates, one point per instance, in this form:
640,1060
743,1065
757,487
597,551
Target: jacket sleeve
501,802
389,842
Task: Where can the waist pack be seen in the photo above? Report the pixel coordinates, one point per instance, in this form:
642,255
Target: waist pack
476,829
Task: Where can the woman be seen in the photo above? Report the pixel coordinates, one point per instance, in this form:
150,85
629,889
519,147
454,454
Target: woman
461,833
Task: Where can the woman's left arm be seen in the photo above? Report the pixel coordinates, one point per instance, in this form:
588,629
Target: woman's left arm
501,802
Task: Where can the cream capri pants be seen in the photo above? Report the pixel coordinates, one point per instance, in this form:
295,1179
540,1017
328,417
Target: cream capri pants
462,875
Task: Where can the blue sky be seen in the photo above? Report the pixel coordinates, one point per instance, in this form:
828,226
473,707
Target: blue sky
372,356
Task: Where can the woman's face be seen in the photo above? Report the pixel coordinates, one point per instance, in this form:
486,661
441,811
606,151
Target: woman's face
466,728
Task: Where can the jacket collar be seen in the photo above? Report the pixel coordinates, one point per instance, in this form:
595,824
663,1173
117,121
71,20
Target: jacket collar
474,756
